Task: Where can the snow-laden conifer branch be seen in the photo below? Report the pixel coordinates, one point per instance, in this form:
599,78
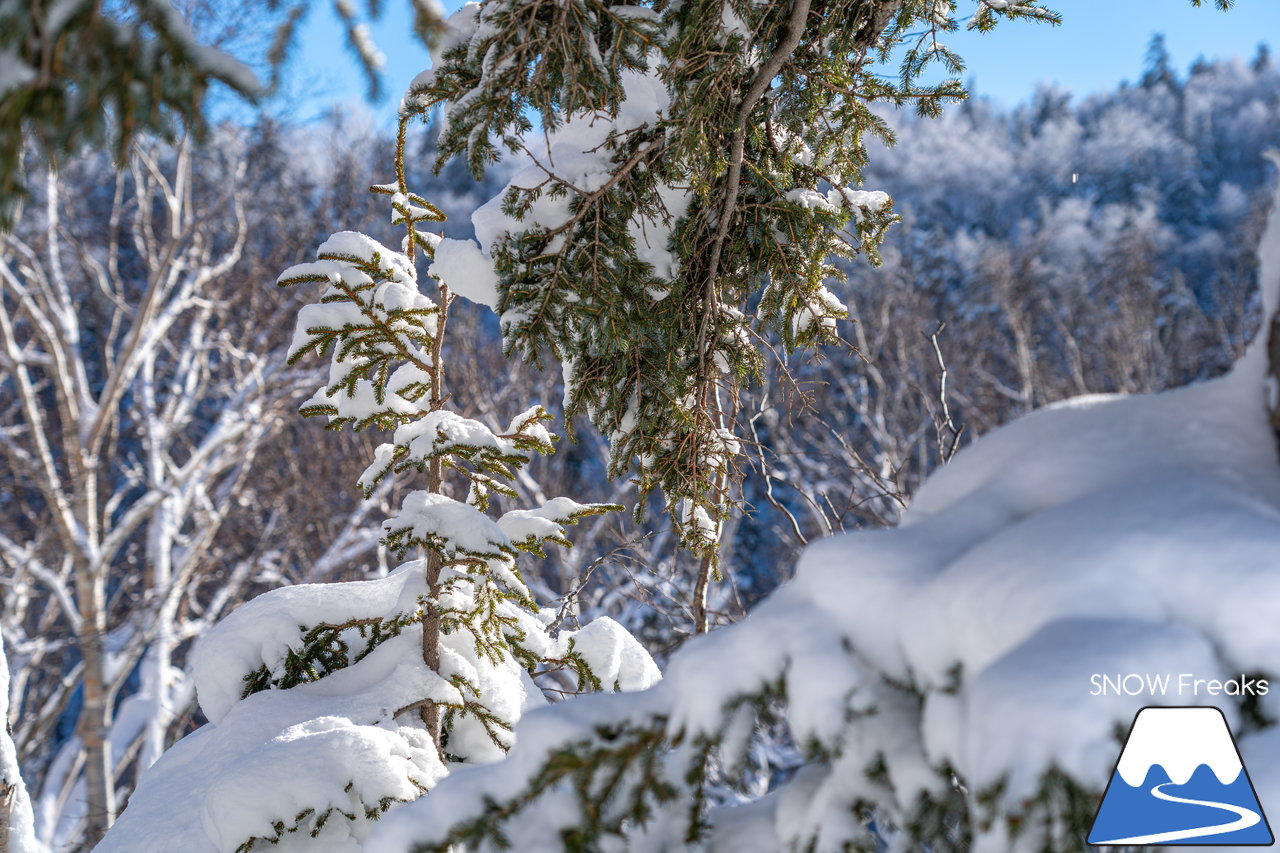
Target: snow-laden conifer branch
699,167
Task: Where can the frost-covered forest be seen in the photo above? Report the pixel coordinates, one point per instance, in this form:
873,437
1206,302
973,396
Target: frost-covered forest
230,629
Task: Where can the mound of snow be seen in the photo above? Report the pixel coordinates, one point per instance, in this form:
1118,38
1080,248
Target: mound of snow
318,755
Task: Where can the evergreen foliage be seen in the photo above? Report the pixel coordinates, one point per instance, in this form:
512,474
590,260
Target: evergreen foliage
384,338
660,263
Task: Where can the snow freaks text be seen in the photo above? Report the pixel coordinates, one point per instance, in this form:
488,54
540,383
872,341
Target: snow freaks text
1174,684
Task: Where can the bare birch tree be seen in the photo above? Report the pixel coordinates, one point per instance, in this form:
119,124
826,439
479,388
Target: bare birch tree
133,408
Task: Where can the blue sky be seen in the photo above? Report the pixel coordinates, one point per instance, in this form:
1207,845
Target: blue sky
1101,43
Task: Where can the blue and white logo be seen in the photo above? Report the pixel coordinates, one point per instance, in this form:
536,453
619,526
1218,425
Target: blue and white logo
1180,781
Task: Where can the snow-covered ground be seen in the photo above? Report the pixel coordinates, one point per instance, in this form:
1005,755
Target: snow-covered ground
339,743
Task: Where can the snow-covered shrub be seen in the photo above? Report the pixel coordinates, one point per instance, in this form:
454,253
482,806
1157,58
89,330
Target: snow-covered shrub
939,674
330,703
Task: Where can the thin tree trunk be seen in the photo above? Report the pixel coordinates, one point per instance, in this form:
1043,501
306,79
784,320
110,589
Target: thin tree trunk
435,480
158,656
701,624
7,792
431,630
95,715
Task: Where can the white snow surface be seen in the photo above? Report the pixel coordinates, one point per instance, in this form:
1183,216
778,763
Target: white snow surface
21,835
459,527
544,522
1107,534
280,751
466,270
264,629
1179,740
442,431
615,657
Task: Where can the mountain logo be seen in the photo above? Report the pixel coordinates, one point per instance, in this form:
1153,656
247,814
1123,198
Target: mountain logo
1180,781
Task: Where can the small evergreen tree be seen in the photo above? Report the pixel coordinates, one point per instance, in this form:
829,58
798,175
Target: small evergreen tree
385,338
331,703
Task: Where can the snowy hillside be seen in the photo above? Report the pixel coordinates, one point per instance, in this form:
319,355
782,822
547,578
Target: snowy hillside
1108,534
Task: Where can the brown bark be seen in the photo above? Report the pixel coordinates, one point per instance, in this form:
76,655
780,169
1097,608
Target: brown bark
430,711
6,806
431,643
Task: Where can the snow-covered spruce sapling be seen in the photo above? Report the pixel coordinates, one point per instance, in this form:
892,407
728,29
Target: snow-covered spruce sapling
386,339
330,703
